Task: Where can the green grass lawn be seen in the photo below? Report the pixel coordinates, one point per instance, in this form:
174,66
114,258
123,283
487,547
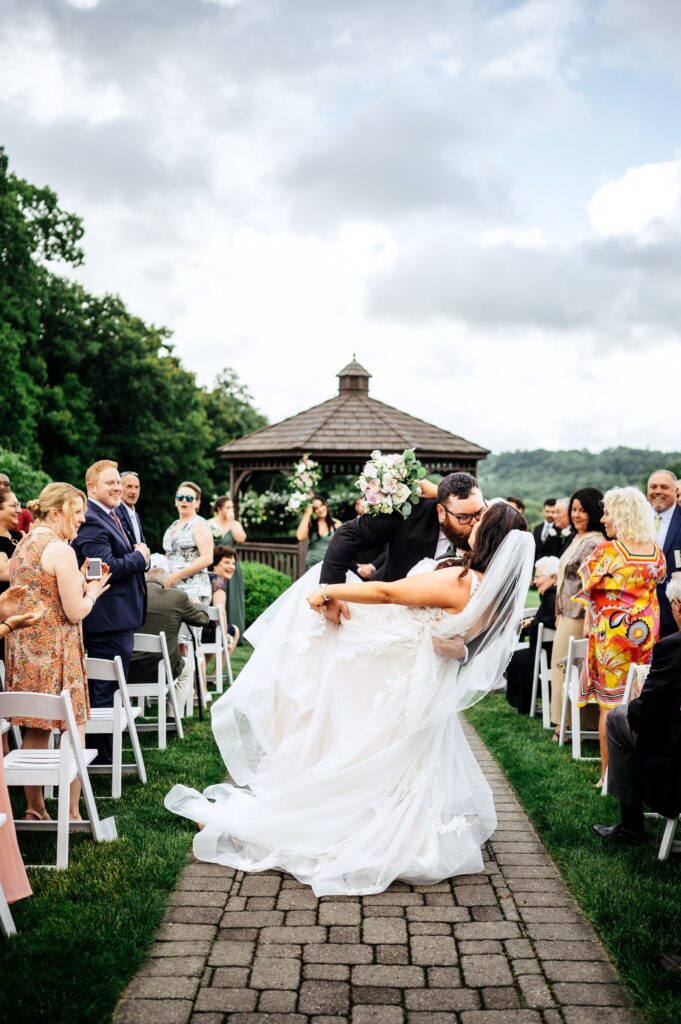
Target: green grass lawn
632,899
85,931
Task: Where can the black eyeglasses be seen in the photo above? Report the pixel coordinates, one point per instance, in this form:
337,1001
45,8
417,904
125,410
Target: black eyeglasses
466,518
189,498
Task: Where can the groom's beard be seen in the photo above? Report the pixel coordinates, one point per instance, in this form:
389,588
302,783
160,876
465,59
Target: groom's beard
456,538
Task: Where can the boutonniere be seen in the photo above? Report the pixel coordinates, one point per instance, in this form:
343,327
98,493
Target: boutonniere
552,532
566,531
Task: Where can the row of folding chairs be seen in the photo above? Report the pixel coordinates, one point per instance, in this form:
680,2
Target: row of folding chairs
58,767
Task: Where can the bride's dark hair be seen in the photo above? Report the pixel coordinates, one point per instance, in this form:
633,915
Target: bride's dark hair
497,522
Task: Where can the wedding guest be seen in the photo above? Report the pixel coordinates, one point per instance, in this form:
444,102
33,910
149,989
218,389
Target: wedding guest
25,518
168,609
127,511
13,878
546,539
517,503
662,497
678,493
562,524
188,545
50,657
9,538
644,741
228,532
225,561
317,527
109,632
585,513
619,581
520,669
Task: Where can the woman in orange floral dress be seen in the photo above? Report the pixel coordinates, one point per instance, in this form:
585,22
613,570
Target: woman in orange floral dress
619,581
50,657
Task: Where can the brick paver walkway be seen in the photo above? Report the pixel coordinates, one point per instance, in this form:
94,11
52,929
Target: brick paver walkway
508,946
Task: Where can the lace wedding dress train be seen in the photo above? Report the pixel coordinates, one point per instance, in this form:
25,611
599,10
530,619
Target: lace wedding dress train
348,764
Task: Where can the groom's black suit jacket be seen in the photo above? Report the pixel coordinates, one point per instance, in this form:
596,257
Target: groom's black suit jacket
408,541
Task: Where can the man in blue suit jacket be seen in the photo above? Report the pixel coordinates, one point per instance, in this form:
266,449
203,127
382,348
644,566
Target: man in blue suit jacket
662,497
110,627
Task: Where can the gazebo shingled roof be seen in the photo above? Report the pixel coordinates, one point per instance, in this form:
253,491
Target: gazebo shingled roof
341,432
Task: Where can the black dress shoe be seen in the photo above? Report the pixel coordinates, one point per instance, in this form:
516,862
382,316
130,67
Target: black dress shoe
623,836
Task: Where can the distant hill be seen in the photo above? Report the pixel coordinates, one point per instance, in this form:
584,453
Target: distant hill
538,474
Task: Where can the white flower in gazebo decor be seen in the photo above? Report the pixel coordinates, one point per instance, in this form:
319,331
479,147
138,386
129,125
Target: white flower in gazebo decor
303,482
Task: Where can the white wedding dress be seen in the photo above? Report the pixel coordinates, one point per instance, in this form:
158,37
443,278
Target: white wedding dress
348,764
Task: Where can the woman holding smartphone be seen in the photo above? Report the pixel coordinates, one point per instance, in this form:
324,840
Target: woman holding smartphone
50,657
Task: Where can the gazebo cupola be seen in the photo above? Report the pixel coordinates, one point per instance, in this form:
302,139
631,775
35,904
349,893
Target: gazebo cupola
353,378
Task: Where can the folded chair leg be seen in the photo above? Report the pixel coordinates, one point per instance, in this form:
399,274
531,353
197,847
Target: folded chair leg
6,921
667,838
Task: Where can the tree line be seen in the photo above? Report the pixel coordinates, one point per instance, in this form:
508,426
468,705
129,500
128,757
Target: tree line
538,474
83,378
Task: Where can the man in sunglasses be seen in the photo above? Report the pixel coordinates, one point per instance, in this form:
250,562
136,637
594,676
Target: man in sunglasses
437,528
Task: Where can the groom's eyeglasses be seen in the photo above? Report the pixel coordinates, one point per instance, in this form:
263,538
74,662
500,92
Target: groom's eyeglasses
466,518
189,498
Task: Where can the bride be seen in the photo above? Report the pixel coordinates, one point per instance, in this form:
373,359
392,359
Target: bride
348,765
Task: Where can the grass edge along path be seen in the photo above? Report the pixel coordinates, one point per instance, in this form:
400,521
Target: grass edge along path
85,932
631,899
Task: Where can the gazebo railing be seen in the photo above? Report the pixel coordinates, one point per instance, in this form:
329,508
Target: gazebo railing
288,558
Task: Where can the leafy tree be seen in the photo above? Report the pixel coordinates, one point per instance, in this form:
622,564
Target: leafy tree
34,232
26,482
230,413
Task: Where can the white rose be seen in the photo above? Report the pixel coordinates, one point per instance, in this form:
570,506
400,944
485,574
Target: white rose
401,494
389,483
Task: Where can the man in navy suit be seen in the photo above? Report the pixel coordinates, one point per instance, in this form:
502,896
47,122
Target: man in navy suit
127,512
109,629
662,497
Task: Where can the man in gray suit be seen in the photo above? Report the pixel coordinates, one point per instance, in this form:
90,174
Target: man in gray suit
167,610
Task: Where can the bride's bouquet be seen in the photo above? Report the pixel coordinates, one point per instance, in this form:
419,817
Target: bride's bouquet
390,483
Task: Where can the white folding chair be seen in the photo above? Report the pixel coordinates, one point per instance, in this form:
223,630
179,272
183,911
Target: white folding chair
163,690
54,768
6,921
115,721
15,730
219,647
669,844
577,652
541,675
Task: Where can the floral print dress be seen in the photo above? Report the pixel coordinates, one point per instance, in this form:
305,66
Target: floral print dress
48,657
619,591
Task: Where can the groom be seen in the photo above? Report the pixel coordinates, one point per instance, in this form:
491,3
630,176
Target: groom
435,529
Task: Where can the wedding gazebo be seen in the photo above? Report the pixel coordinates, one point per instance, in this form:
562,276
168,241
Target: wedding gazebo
339,434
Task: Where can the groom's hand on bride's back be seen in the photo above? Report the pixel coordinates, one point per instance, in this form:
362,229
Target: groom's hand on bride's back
333,611
450,647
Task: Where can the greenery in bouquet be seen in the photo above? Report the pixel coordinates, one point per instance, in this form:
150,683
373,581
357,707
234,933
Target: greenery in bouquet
390,483
303,483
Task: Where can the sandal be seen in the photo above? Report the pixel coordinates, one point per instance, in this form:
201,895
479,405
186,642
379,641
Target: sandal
555,736
31,815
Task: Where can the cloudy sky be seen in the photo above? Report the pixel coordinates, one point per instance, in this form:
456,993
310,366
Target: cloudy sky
482,200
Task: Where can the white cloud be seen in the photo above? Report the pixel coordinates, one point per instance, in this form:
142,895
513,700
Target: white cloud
284,184
644,197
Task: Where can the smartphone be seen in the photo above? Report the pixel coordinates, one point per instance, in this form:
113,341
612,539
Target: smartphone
94,569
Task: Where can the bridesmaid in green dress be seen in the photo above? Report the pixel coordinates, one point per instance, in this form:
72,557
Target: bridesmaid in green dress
228,532
317,527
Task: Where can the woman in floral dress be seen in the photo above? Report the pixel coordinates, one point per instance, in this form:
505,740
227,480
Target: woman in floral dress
618,587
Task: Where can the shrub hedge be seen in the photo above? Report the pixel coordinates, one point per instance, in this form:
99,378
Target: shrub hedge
263,586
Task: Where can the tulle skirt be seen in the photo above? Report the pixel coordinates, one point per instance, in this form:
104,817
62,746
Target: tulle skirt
340,771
